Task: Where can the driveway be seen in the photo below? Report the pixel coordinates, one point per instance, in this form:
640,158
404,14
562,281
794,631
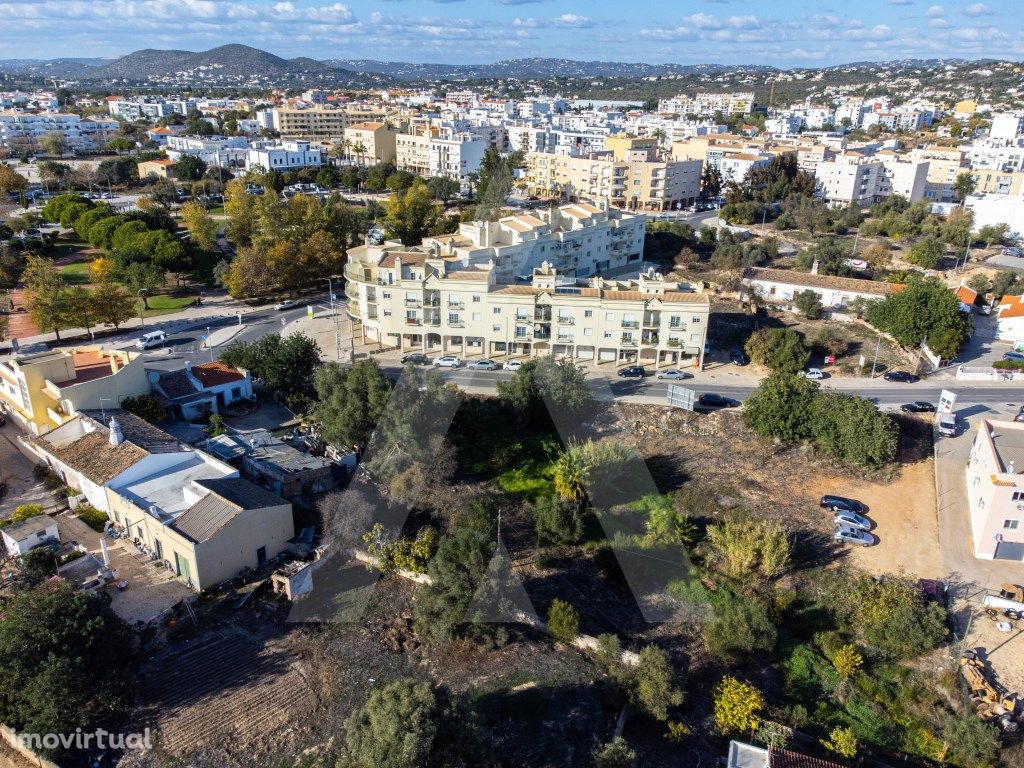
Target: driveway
983,349
16,471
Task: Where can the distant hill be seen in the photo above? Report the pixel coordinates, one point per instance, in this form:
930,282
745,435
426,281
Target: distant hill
521,69
62,68
227,61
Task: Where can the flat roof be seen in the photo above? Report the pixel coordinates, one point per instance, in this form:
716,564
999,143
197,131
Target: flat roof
165,488
1008,441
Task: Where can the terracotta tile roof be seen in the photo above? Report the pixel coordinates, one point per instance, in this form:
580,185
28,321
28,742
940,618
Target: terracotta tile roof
215,374
466,275
95,457
966,295
175,384
368,126
409,258
787,277
1011,306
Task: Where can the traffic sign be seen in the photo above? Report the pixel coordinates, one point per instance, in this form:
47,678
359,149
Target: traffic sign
309,311
681,397
946,401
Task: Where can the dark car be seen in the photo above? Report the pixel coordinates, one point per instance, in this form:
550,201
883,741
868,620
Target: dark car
713,401
738,357
901,376
842,504
918,406
416,358
632,372
934,591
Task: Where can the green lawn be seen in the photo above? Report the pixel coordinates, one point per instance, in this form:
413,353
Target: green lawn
76,273
162,304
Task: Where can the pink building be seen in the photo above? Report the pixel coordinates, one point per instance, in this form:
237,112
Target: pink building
995,490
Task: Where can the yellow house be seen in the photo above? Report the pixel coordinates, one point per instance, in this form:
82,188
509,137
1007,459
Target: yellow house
163,169
965,108
41,391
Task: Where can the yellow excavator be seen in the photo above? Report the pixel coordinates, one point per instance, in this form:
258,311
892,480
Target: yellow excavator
991,703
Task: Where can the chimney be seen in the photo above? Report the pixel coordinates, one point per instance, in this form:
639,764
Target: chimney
116,435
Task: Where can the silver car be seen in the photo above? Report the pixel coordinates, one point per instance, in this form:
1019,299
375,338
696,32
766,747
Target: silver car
853,536
852,520
483,365
673,375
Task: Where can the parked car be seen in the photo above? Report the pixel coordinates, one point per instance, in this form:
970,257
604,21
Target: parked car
673,375
812,373
918,406
632,372
415,358
483,365
852,520
947,425
900,376
151,339
738,357
1014,357
853,536
712,401
841,504
286,304
512,365
447,361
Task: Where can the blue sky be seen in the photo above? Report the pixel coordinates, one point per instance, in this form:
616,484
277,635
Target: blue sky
781,33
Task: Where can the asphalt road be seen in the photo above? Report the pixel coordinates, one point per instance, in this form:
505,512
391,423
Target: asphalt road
185,345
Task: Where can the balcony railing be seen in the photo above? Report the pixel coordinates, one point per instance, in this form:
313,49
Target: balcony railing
674,343
455,304
627,342
566,320
630,324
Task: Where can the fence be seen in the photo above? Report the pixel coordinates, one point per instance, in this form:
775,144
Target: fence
987,373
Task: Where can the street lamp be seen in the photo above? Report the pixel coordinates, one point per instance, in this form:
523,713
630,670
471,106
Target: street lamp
337,326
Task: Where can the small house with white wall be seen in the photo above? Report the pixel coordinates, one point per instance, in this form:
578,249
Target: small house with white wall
781,287
194,392
1010,320
36,531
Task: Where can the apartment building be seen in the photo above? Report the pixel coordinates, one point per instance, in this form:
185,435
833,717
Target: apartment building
993,182
732,155
632,184
44,390
21,131
181,506
433,153
370,143
528,284
708,104
995,490
855,177
283,155
944,165
215,151
1006,126
148,109
321,122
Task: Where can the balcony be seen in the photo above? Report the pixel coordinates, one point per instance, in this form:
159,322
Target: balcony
455,304
627,341
630,324
431,302
412,302
566,320
564,338
674,343
412,321
354,272
542,317
652,320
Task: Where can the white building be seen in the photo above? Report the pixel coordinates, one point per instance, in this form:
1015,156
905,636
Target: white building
994,209
21,131
1006,126
215,151
995,490
148,109
854,177
22,537
283,155
782,286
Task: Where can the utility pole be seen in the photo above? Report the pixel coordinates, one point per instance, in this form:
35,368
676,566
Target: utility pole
337,326
874,362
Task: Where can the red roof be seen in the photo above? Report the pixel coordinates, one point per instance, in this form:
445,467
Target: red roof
215,374
966,295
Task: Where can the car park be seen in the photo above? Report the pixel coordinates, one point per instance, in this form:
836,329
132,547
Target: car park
447,361
632,372
286,304
673,375
812,373
853,536
852,520
415,358
841,504
711,401
900,376
737,357
512,365
483,365
918,406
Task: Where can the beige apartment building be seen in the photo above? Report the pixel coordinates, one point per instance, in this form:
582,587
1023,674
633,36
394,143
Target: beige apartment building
944,165
633,184
993,182
322,122
370,143
518,286
44,390
854,177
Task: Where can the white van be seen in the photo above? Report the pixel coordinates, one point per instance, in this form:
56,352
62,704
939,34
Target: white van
151,339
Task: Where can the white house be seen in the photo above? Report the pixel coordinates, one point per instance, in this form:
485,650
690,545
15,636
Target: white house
21,537
1010,320
285,155
780,286
195,391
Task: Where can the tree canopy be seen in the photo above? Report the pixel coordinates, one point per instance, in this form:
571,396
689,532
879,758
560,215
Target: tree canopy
350,401
924,311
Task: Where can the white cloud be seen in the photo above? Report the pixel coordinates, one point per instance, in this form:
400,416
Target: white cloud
572,20
977,9
528,23
935,11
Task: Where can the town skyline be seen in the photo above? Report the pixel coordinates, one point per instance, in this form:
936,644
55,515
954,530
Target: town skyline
422,31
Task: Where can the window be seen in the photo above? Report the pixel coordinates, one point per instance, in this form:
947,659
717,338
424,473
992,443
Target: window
695,320
588,331
609,316
520,313
386,294
476,317
496,328
607,334
588,313
387,313
453,318
1011,525
476,299
496,310
1018,495
521,331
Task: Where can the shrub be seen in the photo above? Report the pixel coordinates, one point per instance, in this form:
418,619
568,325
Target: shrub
91,516
780,349
615,754
972,743
748,547
809,304
740,628
563,621
842,742
145,407
738,706
557,521
847,661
